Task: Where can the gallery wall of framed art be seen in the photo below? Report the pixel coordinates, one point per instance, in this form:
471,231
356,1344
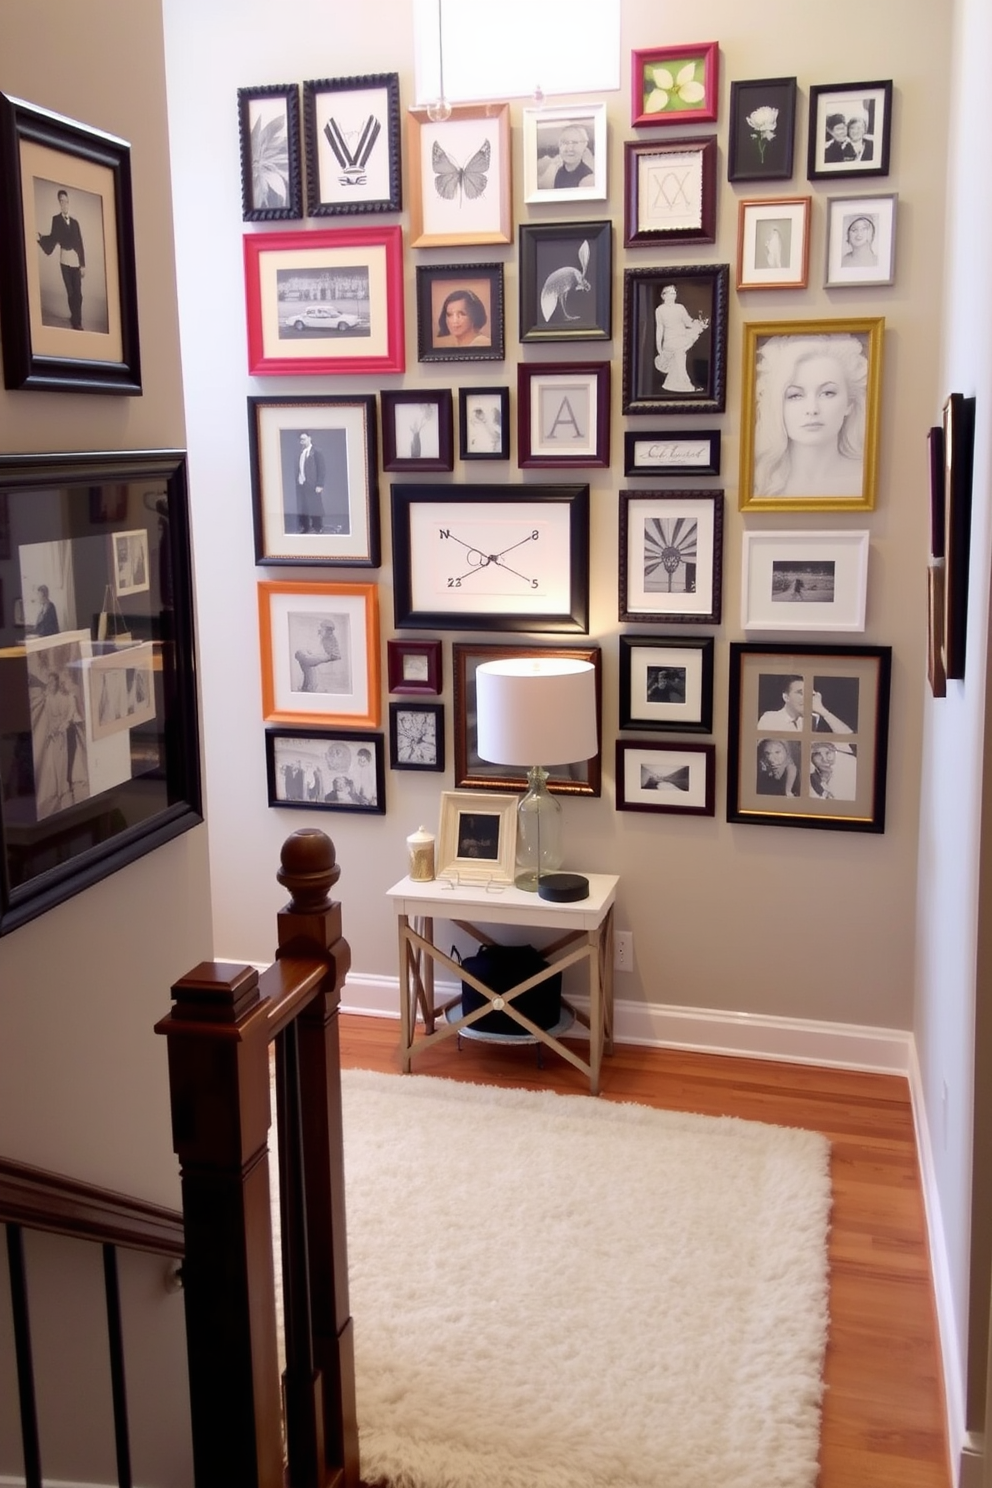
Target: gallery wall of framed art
662,440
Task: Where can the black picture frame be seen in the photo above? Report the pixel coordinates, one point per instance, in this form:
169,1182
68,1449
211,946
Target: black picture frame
828,158
445,577
416,736
790,764
669,191
417,421
99,745
62,332
583,778
475,292
351,129
483,423
958,450
675,452
271,163
566,281
308,759
342,431
670,560
757,153
702,290
666,683
414,668
676,779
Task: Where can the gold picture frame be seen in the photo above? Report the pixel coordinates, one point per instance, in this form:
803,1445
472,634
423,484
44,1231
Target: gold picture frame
460,176
809,429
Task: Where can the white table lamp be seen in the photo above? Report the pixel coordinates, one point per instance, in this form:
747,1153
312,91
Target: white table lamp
535,712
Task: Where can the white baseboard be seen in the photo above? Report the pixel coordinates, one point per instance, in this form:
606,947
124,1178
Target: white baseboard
796,1040
966,1453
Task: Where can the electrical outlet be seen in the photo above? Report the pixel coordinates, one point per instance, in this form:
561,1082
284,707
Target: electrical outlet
623,950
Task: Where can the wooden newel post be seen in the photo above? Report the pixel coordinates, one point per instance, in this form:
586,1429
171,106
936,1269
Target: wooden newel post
223,1019
218,1069
320,1372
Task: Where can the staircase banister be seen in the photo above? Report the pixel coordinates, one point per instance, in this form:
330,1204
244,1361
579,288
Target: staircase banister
42,1200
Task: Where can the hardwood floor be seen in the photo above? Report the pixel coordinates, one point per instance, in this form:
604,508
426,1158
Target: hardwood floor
883,1415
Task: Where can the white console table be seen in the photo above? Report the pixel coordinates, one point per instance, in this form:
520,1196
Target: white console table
583,932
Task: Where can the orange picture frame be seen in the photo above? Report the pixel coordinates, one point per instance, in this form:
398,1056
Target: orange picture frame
319,650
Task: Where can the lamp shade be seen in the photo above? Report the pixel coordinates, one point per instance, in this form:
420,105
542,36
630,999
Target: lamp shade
536,711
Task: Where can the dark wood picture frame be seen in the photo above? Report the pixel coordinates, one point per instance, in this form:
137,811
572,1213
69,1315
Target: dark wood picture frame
407,416
671,778
320,756
677,452
99,746
761,134
475,293
343,435
484,423
808,735
566,281
827,157
666,683
573,397
271,159
416,736
653,214
414,668
474,773
62,332
696,374
958,445
671,557
446,578
345,149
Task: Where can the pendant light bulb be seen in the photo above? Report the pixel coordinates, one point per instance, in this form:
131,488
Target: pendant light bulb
439,109
539,96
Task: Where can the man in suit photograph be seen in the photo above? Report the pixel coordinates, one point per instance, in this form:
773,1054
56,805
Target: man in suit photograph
66,235
310,480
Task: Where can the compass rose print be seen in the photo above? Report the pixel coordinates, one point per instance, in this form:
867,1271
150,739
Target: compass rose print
670,554
507,560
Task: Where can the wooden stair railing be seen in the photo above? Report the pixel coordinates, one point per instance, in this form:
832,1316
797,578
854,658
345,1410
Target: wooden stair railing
223,1019
32,1199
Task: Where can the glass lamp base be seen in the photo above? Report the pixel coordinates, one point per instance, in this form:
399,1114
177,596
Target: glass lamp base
539,848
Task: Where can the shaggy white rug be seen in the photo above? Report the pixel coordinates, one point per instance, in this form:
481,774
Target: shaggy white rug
561,1292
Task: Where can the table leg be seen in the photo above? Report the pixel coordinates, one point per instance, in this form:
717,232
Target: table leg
407,1010
426,970
595,1009
606,952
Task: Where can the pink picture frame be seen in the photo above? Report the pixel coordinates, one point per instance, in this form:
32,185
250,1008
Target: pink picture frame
325,303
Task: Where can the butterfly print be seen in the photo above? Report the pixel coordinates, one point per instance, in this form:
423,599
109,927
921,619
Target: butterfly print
450,178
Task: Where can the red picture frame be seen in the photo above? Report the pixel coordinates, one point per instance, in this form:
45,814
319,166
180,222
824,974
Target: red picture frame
704,59
325,303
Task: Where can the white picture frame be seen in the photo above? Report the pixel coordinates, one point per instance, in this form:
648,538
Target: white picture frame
488,821
849,263
543,129
773,243
803,581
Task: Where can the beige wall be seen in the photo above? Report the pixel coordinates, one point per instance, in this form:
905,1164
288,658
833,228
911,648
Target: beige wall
797,923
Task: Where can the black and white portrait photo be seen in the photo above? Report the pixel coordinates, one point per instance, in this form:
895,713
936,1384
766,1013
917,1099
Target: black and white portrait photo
849,129
796,703
314,467
811,416
565,153
131,562
323,302
675,339
320,648
482,424
777,768
71,254
664,684
58,731
803,583
478,835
